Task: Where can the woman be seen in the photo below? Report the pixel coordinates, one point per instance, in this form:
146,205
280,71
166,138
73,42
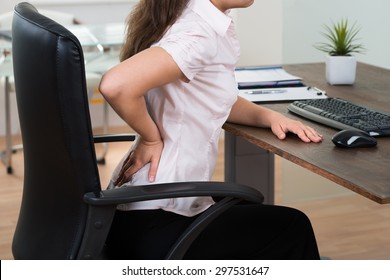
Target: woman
175,87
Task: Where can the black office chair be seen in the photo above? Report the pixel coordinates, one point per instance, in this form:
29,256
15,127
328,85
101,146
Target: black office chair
64,213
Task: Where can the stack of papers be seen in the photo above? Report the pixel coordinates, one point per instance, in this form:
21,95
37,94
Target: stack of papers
263,84
264,77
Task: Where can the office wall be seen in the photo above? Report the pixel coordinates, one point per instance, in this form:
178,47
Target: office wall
260,33
90,11
303,20
87,11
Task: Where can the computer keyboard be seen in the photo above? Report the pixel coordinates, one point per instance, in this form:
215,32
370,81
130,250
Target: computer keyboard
342,114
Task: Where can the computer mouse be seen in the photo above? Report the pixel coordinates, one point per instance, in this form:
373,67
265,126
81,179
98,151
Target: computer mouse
353,138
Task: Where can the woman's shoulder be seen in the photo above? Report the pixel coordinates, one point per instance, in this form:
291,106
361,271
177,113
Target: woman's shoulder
193,24
194,33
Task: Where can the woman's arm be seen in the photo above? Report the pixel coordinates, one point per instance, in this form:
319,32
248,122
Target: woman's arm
248,113
124,87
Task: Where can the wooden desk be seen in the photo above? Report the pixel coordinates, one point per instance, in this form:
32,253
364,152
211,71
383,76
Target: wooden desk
249,152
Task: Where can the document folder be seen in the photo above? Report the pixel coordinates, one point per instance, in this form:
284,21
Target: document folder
264,84
265,77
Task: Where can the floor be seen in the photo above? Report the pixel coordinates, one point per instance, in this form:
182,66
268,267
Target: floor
347,227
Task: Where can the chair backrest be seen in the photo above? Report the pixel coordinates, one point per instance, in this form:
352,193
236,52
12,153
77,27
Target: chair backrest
59,155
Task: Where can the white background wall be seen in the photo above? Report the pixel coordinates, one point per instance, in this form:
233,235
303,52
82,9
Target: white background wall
260,33
88,11
303,20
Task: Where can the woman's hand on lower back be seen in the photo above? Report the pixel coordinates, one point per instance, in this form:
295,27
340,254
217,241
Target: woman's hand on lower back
143,153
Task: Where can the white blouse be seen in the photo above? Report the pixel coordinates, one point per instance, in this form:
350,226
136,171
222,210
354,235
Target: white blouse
190,114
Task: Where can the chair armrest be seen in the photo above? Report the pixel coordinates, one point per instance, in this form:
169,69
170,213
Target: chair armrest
102,207
104,138
172,190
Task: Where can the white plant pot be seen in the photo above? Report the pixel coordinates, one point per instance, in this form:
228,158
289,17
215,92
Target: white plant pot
340,70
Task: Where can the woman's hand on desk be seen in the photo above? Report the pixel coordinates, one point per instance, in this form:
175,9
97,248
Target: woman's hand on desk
248,113
281,125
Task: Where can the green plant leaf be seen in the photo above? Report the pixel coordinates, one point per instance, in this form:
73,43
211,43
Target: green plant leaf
341,39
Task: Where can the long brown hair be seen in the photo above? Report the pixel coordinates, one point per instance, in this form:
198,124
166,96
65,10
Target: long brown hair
147,23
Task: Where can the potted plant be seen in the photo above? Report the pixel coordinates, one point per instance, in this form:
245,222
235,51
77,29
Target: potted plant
342,43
